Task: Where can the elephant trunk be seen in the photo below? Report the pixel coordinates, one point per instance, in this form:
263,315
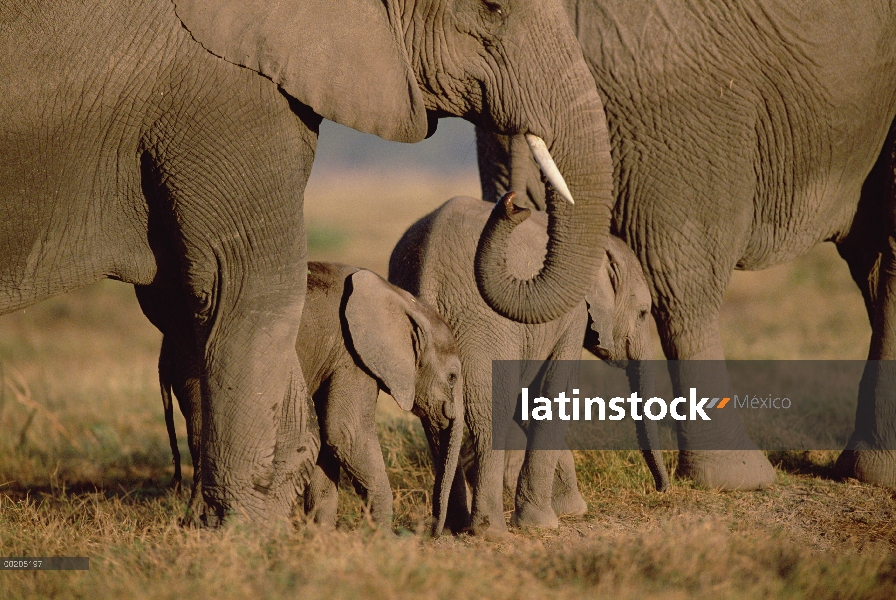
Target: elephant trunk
577,233
641,379
446,457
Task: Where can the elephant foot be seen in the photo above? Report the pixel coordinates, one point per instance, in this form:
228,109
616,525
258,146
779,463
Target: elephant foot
385,529
322,511
569,503
528,515
200,516
482,527
320,518
459,525
377,518
726,469
877,467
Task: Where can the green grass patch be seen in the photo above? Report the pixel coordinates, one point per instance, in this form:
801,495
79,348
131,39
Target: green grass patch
326,239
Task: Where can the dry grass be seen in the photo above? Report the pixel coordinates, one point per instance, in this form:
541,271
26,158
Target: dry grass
84,467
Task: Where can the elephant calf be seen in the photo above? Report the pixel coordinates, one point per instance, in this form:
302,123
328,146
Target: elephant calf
359,334
435,261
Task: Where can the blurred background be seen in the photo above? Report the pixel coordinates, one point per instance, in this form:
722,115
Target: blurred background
365,191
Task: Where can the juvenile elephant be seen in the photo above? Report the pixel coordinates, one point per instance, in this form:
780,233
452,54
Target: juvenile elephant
743,134
167,144
359,334
434,260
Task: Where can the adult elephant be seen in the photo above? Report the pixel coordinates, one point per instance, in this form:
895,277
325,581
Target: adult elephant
742,135
167,144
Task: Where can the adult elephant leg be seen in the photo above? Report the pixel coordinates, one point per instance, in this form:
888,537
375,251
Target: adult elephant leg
870,453
166,365
179,375
716,453
179,369
231,195
259,438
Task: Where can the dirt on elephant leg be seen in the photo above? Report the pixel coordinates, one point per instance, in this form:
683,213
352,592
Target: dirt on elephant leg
569,504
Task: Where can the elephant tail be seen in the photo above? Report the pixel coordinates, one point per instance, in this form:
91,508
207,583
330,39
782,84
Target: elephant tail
165,377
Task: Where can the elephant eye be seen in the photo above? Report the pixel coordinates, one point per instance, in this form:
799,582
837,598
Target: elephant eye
642,314
494,7
452,379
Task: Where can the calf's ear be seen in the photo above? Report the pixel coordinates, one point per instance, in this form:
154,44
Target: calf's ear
345,59
601,301
388,333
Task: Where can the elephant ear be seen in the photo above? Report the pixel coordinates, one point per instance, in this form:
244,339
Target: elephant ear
388,333
346,60
601,301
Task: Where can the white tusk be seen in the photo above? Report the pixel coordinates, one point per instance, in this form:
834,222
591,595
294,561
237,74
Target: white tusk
548,166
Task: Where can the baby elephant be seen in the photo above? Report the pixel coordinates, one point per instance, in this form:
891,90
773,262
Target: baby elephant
359,334
435,260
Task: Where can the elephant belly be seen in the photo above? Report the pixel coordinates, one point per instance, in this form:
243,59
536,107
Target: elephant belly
54,242
821,212
71,204
75,101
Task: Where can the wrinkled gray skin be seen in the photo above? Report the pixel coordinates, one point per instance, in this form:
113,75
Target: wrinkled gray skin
744,133
359,334
433,260
167,144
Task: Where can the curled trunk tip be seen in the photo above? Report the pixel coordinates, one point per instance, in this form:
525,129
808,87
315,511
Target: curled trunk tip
572,256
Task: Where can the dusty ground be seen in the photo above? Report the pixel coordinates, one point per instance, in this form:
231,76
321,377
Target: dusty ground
84,465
